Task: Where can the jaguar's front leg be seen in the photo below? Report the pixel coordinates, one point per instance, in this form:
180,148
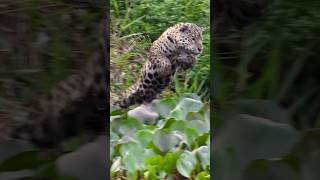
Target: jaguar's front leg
187,62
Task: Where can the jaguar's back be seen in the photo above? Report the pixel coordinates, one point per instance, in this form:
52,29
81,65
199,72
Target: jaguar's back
177,47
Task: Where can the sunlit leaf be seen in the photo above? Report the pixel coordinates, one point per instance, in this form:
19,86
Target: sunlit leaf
165,140
186,163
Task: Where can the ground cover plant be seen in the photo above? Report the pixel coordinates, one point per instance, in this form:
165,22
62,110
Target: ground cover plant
177,146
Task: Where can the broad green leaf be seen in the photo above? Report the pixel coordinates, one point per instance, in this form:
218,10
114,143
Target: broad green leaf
199,125
154,160
244,138
133,162
129,125
168,123
169,161
144,137
185,106
203,153
131,147
165,106
114,136
193,116
189,136
201,141
178,125
114,111
186,163
165,139
203,176
150,174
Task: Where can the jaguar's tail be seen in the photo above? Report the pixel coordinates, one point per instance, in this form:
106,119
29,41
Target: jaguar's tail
130,97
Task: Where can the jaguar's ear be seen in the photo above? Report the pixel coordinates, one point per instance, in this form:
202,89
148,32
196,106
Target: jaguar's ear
183,28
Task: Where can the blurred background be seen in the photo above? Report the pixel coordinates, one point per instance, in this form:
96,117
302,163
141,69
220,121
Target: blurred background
44,44
264,83
266,98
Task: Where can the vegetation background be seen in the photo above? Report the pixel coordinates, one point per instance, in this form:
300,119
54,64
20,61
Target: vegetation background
136,24
266,108
43,42
264,94
176,145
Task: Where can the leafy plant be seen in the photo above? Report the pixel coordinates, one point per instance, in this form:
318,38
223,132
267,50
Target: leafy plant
177,145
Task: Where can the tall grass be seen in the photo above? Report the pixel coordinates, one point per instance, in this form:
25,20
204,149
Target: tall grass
279,61
149,19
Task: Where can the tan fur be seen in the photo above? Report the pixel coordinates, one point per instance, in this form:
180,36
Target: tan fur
178,46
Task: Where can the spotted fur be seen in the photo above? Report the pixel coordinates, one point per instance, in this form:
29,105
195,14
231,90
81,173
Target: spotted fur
177,47
67,108
75,105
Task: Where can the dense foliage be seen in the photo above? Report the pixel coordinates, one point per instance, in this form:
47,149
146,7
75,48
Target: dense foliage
178,145
266,94
42,42
175,145
135,24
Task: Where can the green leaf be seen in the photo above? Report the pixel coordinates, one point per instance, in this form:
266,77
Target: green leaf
185,106
115,111
150,174
130,147
189,136
178,125
165,139
244,138
25,160
203,153
129,125
144,137
165,106
203,176
114,136
200,126
186,164
169,161
133,162
168,123
200,141
154,160
133,156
